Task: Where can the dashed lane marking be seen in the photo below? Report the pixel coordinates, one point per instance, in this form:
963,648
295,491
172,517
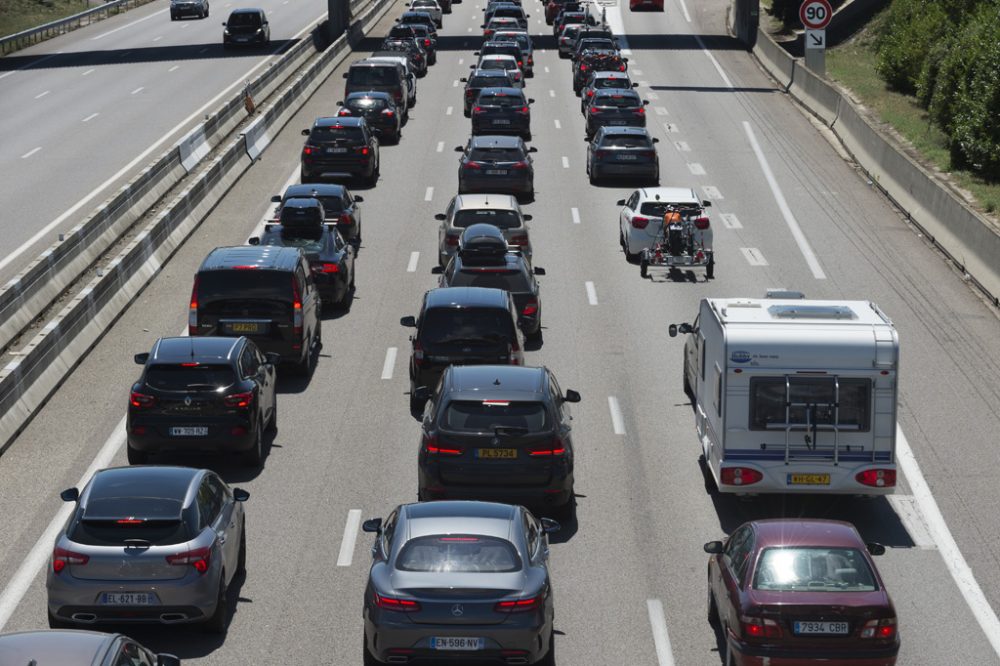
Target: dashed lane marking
730,221
30,153
390,362
617,420
754,256
412,266
346,555
591,293
575,213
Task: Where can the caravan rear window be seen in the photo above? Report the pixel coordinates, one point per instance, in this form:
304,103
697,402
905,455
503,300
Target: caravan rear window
841,401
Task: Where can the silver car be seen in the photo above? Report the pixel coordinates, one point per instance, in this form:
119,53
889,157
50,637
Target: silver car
459,581
431,7
77,648
504,62
148,544
500,210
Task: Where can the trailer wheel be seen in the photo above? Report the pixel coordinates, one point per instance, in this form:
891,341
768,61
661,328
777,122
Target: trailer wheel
643,267
710,268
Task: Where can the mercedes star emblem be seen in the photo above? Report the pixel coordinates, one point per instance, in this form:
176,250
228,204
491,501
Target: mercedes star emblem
457,610
187,401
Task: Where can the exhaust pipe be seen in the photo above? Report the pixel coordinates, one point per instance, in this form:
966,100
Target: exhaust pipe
84,617
397,659
173,617
516,660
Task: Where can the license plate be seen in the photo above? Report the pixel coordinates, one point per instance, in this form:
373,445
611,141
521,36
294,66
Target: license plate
627,157
808,479
128,599
832,628
189,431
496,172
458,643
501,454
501,121
246,327
336,151
617,122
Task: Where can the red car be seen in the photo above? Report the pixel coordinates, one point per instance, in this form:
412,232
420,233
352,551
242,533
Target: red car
790,592
645,5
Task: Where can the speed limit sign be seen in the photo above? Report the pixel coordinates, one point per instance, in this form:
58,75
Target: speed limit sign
815,14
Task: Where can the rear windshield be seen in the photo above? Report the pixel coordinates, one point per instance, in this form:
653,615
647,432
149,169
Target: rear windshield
110,521
502,50
488,415
503,219
176,377
618,101
310,239
454,553
373,76
616,82
487,81
336,135
444,325
216,287
626,141
494,63
243,19
571,31
593,44
331,205
814,570
520,38
367,104
508,280
501,100
658,208
508,12
496,155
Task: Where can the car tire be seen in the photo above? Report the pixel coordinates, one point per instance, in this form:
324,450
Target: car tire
550,657
710,268
535,336
565,513
630,257
220,618
368,659
135,456
687,384
728,658
241,556
416,405
255,455
643,267
713,609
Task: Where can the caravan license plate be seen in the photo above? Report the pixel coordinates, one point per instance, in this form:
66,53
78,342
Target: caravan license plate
831,628
808,479
458,643
128,599
501,454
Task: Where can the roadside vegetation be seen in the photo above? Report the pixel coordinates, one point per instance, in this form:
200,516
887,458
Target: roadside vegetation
18,15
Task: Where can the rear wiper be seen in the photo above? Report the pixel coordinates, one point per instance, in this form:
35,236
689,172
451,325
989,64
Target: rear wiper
460,341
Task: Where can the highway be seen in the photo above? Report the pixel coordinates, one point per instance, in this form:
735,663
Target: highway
629,572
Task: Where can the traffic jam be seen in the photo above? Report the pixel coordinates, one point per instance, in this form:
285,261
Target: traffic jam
462,575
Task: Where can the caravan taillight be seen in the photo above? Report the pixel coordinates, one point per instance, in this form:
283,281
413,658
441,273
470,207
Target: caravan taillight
877,478
740,476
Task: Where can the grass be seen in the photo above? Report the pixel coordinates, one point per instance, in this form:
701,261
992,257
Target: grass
852,65
18,15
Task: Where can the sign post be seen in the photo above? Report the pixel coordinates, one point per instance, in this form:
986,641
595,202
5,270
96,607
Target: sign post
815,16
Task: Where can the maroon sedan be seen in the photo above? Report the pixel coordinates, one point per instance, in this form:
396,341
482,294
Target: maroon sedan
790,592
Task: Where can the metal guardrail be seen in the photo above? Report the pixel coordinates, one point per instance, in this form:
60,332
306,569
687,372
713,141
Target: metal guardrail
31,36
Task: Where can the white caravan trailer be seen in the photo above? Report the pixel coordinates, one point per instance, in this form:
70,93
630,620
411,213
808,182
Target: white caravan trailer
794,395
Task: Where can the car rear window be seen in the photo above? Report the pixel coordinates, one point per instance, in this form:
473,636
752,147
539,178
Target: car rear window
373,76
331,205
502,219
188,377
310,239
456,553
444,325
494,63
487,81
814,570
320,135
111,521
615,82
496,155
514,51
658,208
520,38
618,101
367,104
501,100
506,279
626,141
488,415
571,31
245,286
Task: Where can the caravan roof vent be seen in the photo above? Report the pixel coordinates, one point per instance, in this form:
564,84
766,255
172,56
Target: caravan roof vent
782,293
812,312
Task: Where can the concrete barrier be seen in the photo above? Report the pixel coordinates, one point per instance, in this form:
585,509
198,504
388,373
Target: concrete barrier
775,59
819,96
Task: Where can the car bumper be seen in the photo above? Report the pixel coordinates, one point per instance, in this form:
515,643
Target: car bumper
406,642
338,170
513,128
495,184
611,169
753,655
558,492
156,437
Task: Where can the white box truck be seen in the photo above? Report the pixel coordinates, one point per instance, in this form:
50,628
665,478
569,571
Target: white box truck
793,395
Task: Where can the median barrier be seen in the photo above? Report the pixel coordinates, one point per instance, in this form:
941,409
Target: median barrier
775,59
818,96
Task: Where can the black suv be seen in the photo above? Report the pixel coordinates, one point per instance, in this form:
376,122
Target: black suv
502,111
340,148
339,206
493,432
266,293
623,152
485,260
483,78
462,326
246,27
202,394
378,109
614,108
493,163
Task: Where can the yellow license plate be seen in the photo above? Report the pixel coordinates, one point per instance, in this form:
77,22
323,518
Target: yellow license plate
808,479
244,327
502,454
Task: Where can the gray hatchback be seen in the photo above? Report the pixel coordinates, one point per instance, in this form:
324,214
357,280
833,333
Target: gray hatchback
459,582
77,648
148,544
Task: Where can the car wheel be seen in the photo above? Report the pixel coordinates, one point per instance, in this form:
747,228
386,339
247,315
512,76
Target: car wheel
368,658
241,557
416,405
564,512
136,457
253,457
217,623
643,267
272,425
550,657
629,256
687,384
713,609
173,18
729,658
710,268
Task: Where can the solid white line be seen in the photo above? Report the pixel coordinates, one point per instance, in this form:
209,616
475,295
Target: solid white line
687,17
909,514
661,639
558,124
591,293
786,212
440,146
952,556
90,117
41,95
30,153
696,169
44,231
128,25
718,67
754,256
575,212
138,90
449,110
350,537
565,162
412,266
429,194
174,68
89,71
617,420
390,362
671,128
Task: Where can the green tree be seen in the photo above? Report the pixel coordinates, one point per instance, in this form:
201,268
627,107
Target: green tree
906,35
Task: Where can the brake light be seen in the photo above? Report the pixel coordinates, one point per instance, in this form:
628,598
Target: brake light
199,558
473,165
594,110
877,478
555,448
523,110
740,476
599,154
345,218
640,111
451,240
531,307
344,112
427,42
307,150
238,400
363,150
518,239
296,309
583,68
326,268
701,223
639,222
61,557
621,68
758,627
520,64
590,93
398,605
431,445
389,113
477,109
193,309
520,165
520,605
141,400
883,629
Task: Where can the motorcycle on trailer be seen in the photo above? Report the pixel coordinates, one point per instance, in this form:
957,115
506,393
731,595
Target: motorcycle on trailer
684,240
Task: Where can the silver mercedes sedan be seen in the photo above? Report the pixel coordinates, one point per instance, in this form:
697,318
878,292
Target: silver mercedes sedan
459,582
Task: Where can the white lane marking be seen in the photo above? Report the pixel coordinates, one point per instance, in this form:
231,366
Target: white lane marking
617,420
754,256
468,29
730,221
156,39
565,162
652,95
660,111
687,17
44,231
390,362
671,128
30,153
43,94
950,553
558,124
440,146
712,192
429,194
643,84
546,69
138,90
696,169
454,84
682,146
412,266
718,67
90,117
88,72
591,293
661,639
786,212
906,508
174,68
575,212
350,538
637,72
461,61
449,110
39,553
128,25
552,93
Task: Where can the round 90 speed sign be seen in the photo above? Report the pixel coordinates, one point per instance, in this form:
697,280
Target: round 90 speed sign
815,14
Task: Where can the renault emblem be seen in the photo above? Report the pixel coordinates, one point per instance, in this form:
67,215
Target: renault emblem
187,401
457,610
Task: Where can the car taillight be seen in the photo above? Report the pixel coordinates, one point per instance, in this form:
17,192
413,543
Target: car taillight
388,113
593,110
520,165
363,150
238,400
307,150
141,400
554,448
600,154
639,222
325,268
520,605
590,93
193,309
640,111
431,445
701,223
344,112
199,558
398,96
621,68
877,478
520,64
531,307
395,604
740,476
344,218
473,165
518,239
61,557
418,353
759,627
296,310
427,42
523,110
883,629
477,109
451,240
647,153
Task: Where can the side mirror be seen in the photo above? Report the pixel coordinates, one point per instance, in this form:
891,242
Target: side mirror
274,358
875,549
223,24
538,270
620,202
422,393
531,100
164,659
459,149
305,132
240,495
359,199
706,204
527,218
645,102
635,85
532,150
70,495
623,59
276,198
372,525
672,330
527,16
140,359
441,217
572,396
437,270
586,140
713,547
340,103
409,322
472,66
550,526
655,140
464,80
344,75
254,240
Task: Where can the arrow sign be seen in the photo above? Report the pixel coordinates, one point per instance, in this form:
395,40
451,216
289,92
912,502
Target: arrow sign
815,39
815,14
